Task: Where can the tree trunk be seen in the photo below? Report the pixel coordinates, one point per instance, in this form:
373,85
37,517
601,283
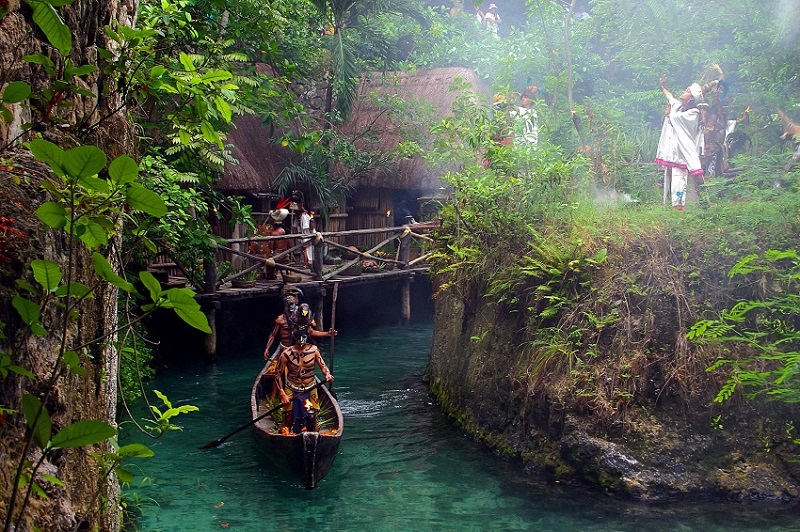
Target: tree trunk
78,120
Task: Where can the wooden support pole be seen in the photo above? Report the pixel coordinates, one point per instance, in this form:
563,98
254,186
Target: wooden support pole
405,299
210,281
319,307
210,340
403,255
319,257
405,250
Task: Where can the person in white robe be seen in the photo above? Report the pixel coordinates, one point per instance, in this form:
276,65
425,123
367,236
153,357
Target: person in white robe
526,126
306,227
492,19
681,142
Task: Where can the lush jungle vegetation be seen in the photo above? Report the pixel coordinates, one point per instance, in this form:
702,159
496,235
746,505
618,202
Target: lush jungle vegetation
525,225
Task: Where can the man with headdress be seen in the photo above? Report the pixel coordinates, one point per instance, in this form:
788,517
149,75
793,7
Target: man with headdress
681,142
492,19
791,131
295,316
716,126
275,247
305,225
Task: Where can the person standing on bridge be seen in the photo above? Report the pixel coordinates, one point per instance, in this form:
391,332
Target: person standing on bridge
276,218
295,375
295,316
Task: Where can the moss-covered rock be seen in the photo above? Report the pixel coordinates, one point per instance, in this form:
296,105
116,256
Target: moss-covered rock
620,401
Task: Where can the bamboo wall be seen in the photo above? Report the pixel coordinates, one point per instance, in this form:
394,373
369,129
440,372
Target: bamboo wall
370,208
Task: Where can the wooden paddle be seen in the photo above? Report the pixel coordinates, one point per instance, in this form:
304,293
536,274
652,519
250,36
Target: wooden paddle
333,326
219,441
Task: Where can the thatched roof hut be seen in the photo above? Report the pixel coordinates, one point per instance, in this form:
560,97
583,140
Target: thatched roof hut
390,108
375,125
401,106
260,155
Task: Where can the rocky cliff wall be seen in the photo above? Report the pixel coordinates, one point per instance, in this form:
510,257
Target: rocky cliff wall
619,414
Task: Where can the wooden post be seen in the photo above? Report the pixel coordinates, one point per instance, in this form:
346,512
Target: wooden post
405,298
210,341
333,326
319,249
405,286
405,249
210,281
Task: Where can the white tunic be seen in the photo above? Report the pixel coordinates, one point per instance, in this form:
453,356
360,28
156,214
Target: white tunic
526,127
681,141
305,228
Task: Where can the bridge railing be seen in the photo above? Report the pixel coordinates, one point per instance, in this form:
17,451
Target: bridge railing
404,235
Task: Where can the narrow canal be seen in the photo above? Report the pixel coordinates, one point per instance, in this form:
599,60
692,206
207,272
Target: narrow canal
401,465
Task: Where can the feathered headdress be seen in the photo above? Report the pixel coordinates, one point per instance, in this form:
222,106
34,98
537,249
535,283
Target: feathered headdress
283,203
790,129
711,77
712,73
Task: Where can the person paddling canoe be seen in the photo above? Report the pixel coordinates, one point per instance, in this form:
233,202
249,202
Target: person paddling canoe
295,378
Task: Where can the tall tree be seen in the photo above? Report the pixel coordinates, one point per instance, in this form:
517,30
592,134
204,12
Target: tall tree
60,43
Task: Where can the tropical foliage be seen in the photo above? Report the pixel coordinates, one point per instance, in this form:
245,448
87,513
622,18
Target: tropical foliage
767,330
190,67
535,242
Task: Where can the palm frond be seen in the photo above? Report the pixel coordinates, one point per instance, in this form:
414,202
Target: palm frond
346,71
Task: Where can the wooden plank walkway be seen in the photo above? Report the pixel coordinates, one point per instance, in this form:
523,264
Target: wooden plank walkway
351,270
272,288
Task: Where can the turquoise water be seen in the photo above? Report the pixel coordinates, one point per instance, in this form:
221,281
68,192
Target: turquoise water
401,465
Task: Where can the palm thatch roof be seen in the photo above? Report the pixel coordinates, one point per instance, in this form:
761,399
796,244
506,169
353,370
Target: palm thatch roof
259,154
400,107
390,108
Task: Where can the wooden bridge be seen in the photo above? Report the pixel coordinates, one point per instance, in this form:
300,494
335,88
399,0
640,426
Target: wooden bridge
398,256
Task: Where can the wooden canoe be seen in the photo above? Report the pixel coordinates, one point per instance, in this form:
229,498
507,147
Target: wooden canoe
309,455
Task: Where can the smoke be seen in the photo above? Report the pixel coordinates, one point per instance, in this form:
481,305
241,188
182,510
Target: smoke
787,13
605,197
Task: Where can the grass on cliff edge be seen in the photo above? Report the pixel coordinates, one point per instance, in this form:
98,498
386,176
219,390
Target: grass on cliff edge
603,296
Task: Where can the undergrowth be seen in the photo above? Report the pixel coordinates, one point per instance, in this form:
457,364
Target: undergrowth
603,298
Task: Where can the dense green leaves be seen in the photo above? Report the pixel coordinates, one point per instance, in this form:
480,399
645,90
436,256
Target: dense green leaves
6,366
123,169
72,360
15,92
186,306
164,419
107,273
134,450
142,199
52,214
49,153
29,312
766,329
84,161
152,284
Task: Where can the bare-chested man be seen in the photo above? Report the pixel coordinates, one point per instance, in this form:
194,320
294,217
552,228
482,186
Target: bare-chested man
293,318
295,375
